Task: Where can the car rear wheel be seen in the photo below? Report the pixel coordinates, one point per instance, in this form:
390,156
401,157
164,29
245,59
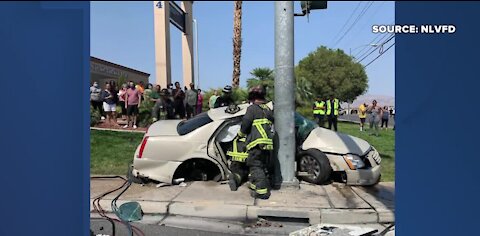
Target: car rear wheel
316,164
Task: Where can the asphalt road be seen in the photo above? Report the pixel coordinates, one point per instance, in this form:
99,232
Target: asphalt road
104,228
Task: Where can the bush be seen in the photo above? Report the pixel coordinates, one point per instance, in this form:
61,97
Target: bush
144,118
305,111
95,116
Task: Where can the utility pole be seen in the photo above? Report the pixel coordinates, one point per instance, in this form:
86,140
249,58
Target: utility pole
196,54
284,105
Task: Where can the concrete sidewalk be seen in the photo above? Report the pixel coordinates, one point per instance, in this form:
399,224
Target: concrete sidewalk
333,204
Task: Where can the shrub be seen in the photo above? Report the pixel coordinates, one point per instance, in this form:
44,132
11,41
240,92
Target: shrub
95,116
144,118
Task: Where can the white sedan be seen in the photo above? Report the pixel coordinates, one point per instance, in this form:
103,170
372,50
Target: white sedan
196,149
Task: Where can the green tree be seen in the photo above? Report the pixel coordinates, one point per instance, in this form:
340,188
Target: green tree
262,76
333,72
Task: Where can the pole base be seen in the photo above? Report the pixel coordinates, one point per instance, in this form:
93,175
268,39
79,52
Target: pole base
294,184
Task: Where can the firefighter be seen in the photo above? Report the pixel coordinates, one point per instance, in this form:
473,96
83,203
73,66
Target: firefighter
238,167
257,127
226,99
319,111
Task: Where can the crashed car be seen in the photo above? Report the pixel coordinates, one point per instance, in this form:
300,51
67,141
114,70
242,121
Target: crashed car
195,149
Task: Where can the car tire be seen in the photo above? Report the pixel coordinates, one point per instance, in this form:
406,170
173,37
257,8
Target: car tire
316,163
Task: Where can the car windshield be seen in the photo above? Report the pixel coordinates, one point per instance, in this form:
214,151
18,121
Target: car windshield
304,126
196,122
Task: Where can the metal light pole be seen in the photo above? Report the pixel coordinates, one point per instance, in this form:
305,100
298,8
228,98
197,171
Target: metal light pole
284,106
196,53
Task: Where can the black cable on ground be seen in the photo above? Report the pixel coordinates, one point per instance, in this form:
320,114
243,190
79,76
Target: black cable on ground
98,208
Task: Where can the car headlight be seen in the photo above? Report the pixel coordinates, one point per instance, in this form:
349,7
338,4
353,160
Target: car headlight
354,161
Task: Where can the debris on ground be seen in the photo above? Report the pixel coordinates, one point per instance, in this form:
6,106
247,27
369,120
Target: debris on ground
265,223
162,185
335,230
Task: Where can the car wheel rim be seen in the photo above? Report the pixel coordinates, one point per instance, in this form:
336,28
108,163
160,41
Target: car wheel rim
310,165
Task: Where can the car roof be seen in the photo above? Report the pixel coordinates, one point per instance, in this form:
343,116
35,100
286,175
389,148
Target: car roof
220,114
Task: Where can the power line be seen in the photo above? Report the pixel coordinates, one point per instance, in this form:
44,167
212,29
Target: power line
366,48
361,53
386,50
375,48
362,13
376,10
346,22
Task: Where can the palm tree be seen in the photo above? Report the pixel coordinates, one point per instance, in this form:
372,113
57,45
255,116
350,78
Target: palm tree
303,91
237,42
262,76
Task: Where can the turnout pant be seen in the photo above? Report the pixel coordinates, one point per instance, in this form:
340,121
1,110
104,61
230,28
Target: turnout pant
332,120
257,163
239,171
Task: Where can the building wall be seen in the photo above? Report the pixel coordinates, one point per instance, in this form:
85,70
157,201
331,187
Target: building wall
102,73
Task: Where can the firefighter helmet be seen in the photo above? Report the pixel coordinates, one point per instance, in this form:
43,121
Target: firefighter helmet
257,92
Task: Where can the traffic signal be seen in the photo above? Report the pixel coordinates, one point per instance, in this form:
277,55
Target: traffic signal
312,5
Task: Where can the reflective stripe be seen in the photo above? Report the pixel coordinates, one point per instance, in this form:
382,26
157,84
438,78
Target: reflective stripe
319,111
235,150
241,134
266,141
261,191
239,156
268,147
261,130
262,121
252,186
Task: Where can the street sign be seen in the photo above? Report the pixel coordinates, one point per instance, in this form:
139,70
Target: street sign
177,16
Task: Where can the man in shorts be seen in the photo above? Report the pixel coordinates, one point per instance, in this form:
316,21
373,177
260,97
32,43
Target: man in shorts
133,101
362,114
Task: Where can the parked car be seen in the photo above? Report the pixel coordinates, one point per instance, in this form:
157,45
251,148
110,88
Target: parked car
195,149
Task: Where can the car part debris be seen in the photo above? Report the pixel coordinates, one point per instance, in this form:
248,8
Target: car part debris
178,181
162,185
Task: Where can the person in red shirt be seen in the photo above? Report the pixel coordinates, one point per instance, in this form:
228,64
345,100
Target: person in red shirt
132,103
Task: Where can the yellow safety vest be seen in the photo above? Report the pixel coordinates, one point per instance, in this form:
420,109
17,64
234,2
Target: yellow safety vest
319,111
237,155
335,107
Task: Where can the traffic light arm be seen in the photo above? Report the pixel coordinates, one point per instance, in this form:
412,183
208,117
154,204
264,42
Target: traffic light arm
311,5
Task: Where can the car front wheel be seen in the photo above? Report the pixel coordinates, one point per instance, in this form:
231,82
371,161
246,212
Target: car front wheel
316,164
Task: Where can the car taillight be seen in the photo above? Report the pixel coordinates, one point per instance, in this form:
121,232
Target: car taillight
142,146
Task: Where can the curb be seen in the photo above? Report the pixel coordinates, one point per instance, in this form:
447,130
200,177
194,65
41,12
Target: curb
243,213
118,130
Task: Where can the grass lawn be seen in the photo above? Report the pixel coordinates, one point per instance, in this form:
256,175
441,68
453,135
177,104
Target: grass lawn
111,152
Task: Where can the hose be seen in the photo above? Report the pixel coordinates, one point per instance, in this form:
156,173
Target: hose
133,230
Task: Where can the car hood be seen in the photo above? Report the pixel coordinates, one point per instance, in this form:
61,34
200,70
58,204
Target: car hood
164,127
333,142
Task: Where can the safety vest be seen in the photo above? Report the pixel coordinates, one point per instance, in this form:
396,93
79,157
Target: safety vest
238,153
261,134
319,111
335,107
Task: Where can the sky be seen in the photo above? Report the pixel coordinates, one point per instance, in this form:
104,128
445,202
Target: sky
122,32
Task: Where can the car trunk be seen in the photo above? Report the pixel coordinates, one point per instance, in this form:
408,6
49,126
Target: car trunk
164,128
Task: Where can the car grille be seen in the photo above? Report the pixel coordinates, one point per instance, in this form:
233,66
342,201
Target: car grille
375,156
